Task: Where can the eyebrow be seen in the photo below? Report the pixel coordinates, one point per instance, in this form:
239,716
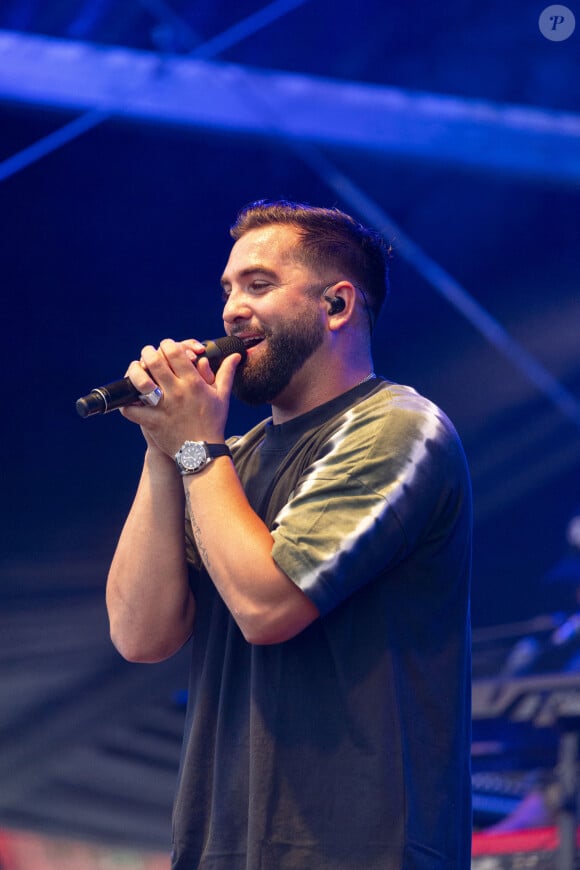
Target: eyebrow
250,270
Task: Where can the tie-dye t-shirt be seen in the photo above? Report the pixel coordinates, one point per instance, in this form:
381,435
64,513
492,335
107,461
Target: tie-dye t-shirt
347,746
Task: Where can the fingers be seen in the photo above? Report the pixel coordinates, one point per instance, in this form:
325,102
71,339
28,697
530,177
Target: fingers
174,365
153,368
140,377
160,366
194,403
172,360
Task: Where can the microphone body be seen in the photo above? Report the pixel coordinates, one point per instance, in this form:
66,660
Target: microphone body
120,393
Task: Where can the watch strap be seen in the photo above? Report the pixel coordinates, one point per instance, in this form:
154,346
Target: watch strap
215,450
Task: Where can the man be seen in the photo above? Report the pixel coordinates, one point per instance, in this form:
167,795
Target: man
324,580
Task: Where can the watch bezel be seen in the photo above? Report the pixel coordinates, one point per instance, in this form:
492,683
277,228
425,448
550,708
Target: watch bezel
203,454
192,456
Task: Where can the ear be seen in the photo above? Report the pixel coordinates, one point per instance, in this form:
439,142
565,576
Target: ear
341,302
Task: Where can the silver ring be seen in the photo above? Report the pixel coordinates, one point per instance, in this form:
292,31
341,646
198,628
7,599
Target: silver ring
153,398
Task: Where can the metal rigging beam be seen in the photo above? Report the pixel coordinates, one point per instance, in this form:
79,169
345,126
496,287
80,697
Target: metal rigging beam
538,144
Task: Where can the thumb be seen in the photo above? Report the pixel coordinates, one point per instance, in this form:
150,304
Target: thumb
224,378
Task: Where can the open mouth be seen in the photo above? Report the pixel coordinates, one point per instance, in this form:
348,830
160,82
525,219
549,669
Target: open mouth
252,341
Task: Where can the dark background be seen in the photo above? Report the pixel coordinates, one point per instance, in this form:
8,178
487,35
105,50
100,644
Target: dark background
118,239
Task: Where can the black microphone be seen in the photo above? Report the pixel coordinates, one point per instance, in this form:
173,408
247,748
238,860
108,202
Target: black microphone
117,394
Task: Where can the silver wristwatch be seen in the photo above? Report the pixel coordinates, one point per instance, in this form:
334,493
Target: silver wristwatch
192,456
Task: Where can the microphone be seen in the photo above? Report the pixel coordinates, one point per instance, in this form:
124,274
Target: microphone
118,394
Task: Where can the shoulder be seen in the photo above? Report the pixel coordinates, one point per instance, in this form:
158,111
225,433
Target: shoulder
394,420
392,402
400,446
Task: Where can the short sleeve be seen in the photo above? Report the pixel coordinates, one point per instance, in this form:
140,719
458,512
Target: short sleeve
383,481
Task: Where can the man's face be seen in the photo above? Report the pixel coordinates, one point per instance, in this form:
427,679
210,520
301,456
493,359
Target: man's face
273,303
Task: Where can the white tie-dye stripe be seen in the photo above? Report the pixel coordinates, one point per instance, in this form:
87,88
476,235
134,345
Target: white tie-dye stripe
389,493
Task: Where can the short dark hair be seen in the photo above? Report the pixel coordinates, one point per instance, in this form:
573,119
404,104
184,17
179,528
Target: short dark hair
330,240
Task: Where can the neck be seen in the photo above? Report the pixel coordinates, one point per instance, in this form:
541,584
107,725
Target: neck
295,401
337,365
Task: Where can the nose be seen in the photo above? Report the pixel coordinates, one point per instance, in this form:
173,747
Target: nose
236,307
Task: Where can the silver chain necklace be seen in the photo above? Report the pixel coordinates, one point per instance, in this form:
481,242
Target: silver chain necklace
369,377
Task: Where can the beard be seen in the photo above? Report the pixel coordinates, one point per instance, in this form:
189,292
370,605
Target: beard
259,382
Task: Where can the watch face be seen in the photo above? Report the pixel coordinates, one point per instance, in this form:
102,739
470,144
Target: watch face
193,455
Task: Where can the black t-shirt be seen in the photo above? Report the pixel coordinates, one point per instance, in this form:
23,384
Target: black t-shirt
346,747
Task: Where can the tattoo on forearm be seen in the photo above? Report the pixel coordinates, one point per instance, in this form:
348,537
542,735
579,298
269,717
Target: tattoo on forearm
197,534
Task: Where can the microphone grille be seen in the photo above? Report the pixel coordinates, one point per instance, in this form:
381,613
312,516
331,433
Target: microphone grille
217,350
231,344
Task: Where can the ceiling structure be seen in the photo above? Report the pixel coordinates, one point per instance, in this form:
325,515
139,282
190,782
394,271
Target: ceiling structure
129,139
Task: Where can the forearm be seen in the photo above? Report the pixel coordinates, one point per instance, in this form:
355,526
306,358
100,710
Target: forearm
233,542
236,547
149,602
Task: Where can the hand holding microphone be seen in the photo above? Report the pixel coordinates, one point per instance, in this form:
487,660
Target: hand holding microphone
119,394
